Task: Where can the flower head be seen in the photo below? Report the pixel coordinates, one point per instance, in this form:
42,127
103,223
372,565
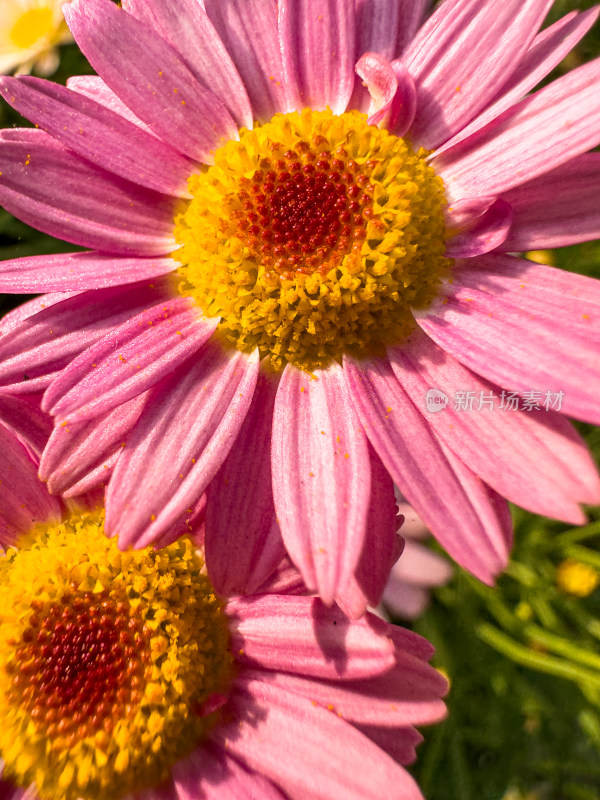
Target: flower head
301,217
123,673
29,34
575,577
106,652
324,250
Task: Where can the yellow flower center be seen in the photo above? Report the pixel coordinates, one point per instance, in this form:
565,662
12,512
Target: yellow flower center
312,236
33,25
111,663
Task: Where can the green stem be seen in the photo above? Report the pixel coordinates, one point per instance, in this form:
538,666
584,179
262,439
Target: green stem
541,662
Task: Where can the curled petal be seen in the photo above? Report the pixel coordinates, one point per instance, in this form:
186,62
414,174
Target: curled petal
487,233
392,90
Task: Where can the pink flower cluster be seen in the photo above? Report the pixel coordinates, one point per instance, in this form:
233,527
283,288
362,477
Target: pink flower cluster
117,387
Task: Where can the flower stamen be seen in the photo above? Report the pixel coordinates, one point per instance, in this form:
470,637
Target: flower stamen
312,236
110,661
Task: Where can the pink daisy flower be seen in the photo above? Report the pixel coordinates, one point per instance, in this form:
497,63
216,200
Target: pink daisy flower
283,264
123,674
30,32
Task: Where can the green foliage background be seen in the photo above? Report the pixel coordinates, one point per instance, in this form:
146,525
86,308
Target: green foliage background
523,658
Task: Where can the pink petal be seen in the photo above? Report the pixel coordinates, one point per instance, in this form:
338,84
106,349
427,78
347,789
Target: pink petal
88,448
94,481
404,600
64,195
387,26
16,316
243,547
458,64
257,572
184,435
149,13
211,774
318,50
491,508
420,566
412,525
249,32
34,350
408,694
489,232
133,357
77,271
285,580
453,506
548,48
93,86
384,27
525,456
392,90
10,792
505,329
24,417
381,546
399,743
411,643
309,752
321,477
188,30
536,135
24,500
465,213
515,274
301,635
157,86
99,134
190,523
557,209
